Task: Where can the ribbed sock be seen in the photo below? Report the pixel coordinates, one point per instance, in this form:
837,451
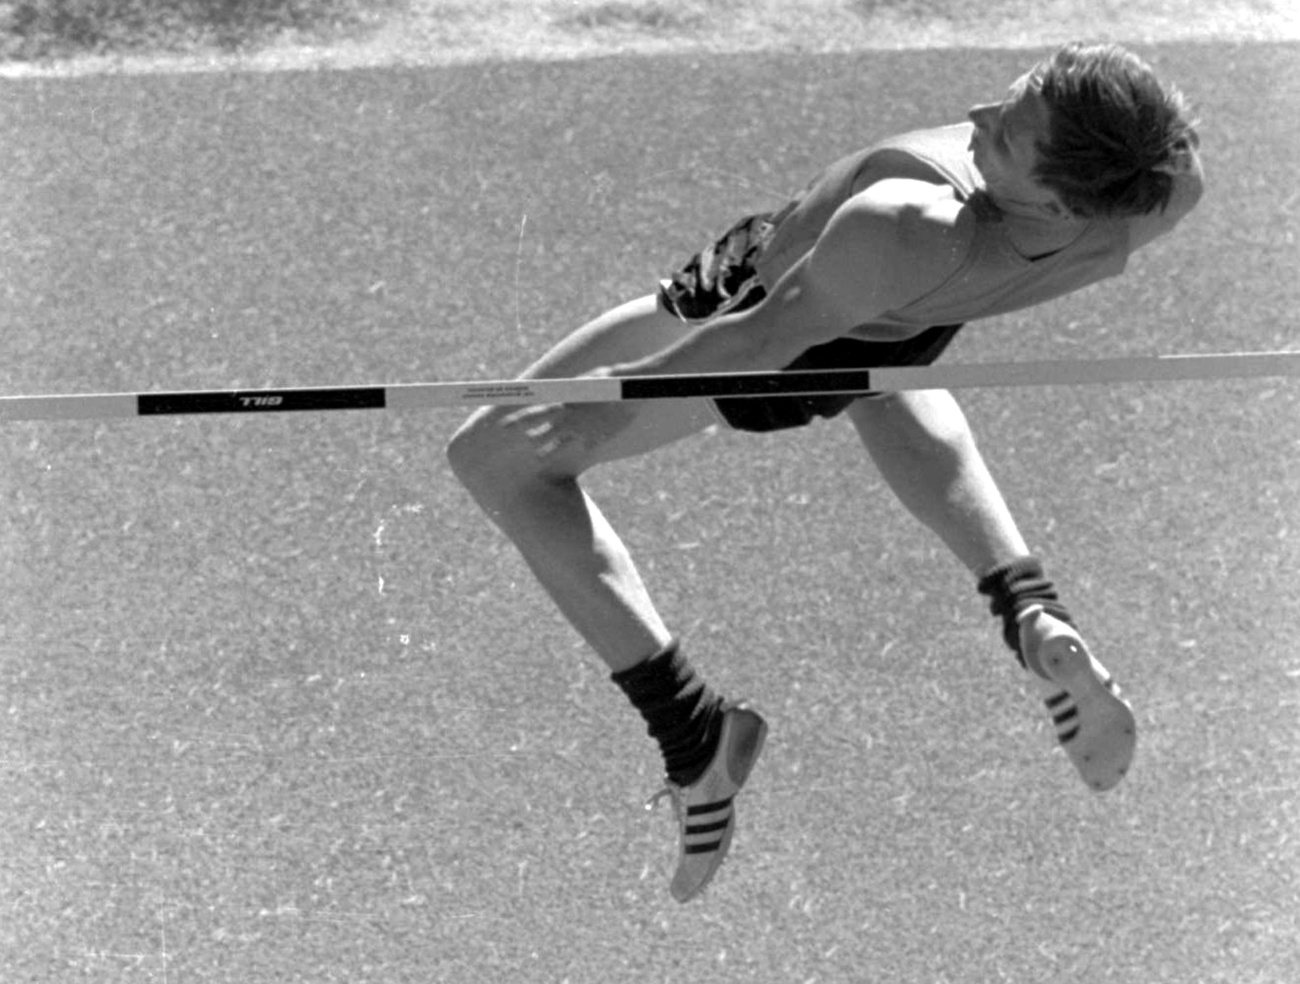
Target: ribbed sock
1014,587
682,714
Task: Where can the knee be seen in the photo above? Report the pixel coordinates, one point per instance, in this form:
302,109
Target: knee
473,452
488,458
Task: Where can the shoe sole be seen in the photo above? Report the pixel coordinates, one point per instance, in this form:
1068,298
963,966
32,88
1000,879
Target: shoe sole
1094,725
744,753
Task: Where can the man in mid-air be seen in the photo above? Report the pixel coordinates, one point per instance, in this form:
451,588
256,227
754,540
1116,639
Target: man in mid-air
879,262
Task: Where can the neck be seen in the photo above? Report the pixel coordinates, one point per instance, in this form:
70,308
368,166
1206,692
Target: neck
1034,232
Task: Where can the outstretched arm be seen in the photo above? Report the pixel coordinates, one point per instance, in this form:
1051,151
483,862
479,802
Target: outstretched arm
883,248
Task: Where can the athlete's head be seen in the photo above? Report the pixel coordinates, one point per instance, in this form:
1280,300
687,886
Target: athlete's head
1115,133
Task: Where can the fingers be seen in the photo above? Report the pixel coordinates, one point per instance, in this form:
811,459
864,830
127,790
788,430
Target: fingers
568,434
539,427
550,429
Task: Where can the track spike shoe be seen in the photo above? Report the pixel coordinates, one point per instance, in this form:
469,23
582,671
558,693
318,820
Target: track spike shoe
705,809
1093,722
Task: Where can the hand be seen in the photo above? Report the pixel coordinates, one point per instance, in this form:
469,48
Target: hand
558,430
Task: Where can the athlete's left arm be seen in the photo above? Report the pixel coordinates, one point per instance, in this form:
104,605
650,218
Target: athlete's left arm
1189,185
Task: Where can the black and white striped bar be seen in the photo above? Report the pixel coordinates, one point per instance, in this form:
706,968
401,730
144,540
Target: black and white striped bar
520,392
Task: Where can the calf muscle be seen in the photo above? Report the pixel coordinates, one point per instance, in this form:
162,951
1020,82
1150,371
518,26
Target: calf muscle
924,449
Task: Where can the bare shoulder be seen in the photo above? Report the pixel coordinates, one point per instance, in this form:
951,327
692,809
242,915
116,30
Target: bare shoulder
927,220
910,234
884,248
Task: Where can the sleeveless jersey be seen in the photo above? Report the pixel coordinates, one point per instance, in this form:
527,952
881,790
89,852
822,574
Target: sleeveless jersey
993,278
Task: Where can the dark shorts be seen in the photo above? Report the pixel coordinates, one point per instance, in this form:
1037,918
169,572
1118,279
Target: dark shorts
722,280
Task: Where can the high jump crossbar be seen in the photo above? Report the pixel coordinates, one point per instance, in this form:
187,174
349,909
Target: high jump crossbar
402,396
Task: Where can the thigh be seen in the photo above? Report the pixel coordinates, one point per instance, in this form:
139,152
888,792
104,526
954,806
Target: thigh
626,333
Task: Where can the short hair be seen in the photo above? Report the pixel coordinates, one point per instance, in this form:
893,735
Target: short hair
1112,125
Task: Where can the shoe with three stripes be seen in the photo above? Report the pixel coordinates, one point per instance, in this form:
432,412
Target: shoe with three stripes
705,809
1094,723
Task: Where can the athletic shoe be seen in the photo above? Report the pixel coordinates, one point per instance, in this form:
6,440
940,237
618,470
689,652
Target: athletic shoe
706,816
1094,724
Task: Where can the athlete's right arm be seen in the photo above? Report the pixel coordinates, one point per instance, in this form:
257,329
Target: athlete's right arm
883,248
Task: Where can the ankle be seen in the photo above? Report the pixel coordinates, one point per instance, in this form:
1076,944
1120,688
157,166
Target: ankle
1018,592
682,714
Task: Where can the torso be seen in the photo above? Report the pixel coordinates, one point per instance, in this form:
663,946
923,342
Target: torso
1009,263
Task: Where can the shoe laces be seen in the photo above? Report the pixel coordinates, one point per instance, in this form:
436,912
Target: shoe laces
675,794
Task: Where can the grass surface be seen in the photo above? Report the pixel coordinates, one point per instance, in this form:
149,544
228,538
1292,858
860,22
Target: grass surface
41,29
280,706
171,35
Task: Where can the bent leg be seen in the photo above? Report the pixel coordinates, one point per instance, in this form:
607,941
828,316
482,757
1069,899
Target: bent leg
925,450
561,533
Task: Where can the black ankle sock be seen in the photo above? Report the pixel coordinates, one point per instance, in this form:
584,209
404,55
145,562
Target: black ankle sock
1011,589
683,715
